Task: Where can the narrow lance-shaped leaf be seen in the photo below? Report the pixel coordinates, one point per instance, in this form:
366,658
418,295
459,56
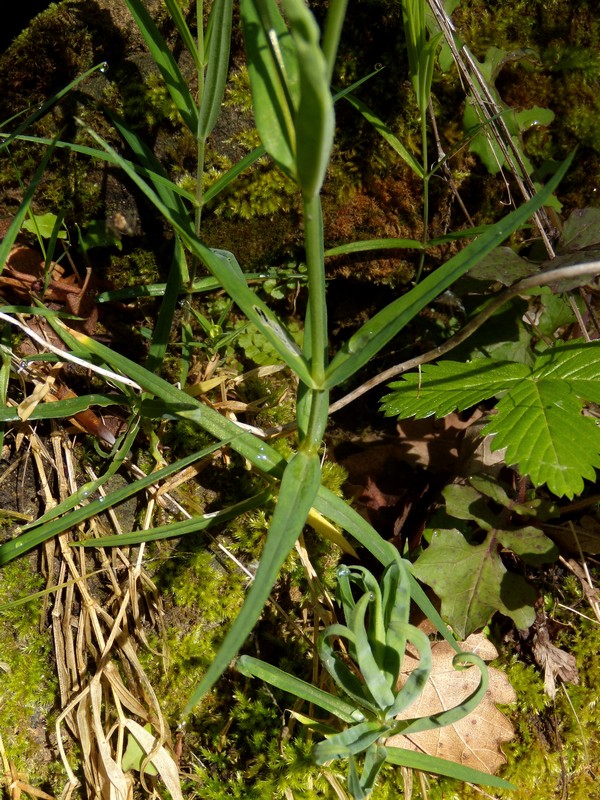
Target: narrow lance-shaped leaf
349,742
273,71
163,58
217,57
386,133
184,31
440,766
226,269
375,679
254,667
313,117
299,486
452,715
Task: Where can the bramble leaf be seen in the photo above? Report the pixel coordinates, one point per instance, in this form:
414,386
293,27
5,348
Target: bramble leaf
541,425
576,362
480,586
450,385
538,419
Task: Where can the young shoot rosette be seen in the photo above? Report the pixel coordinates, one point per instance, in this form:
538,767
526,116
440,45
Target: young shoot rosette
372,692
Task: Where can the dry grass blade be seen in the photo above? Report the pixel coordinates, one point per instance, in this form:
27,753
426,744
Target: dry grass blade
96,625
161,759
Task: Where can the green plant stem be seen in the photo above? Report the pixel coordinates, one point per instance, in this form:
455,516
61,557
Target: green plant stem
317,304
333,31
201,147
316,325
201,151
426,176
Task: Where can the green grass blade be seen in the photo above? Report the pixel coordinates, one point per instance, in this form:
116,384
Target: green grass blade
38,532
158,289
5,361
103,155
259,453
217,58
376,333
174,81
387,134
439,766
152,167
340,512
240,166
61,409
164,321
255,668
299,486
182,528
45,107
184,31
227,271
374,244
336,15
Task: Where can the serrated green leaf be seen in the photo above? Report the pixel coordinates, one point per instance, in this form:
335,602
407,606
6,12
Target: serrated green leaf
541,425
480,586
442,388
578,363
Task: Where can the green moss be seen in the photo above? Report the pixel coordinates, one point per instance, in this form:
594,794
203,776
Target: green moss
28,683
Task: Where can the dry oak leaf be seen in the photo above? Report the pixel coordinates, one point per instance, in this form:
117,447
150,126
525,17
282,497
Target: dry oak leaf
475,740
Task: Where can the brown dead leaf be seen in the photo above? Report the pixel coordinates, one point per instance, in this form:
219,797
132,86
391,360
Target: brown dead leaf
555,662
23,278
475,740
